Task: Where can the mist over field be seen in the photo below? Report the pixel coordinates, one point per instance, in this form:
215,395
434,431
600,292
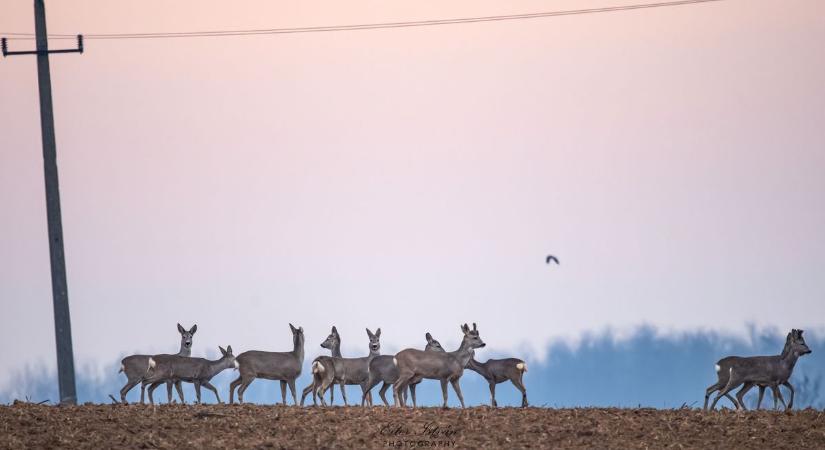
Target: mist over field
642,369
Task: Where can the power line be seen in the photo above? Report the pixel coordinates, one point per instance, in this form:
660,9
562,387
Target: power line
368,26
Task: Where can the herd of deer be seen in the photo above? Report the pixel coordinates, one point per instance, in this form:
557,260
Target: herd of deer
405,369
409,367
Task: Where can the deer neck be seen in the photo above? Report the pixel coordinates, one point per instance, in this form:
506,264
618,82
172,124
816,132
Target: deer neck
298,349
463,354
480,368
215,367
373,354
789,360
184,350
336,350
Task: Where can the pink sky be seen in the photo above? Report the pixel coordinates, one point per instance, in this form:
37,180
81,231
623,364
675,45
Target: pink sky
414,179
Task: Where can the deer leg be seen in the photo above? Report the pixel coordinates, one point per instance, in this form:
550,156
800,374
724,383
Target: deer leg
332,394
320,390
169,392
412,394
291,384
152,388
790,402
382,393
493,394
457,389
243,387
344,393
283,392
444,391
777,395
364,393
128,387
519,384
307,390
724,392
710,390
179,388
740,396
398,389
143,385
761,393
234,384
212,388
198,391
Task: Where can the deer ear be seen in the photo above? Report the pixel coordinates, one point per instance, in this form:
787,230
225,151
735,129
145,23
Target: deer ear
193,329
334,330
300,329
465,329
474,327
800,333
228,349
378,333
369,333
180,329
223,352
428,337
291,327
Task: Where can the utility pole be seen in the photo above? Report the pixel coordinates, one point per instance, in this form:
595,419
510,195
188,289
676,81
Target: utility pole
60,294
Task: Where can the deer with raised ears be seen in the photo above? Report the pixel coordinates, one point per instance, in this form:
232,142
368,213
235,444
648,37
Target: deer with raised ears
382,369
333,343
500,370
767,370
282,366
723,374
327,370
200,371
447,367
135,367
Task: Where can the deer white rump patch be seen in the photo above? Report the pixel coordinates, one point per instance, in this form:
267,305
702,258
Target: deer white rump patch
122,367
718,368
237,366
522,366
394,361
317,367
152,363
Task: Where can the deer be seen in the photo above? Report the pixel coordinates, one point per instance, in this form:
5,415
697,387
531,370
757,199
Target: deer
723,374
447,367
166,368
498,371
282,366
382,369
136,366
328,370
768,370
333,343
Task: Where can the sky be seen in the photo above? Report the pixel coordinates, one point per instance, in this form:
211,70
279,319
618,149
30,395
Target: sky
415,179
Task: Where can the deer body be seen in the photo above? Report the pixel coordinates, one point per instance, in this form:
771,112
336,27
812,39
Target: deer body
500,370
447,367
282,366
174,368
135,367
383,369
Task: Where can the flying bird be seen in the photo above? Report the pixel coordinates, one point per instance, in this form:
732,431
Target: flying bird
552,258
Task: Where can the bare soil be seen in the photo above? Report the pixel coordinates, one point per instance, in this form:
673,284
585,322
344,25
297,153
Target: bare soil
25,425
